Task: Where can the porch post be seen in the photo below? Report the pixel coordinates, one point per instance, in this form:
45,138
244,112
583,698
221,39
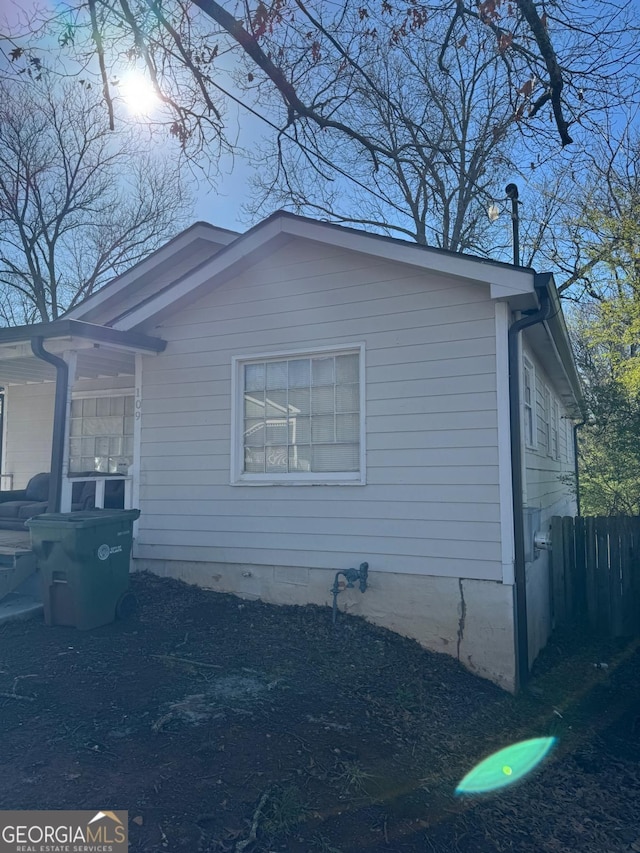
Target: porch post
137,441
66,489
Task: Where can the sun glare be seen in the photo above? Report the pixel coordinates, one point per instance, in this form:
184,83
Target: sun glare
139,95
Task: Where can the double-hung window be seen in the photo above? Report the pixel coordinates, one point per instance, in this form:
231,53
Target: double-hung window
554,451
568,425
546,418
528,386
298,418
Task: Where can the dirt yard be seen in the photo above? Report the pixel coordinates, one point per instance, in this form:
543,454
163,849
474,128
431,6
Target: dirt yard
239,727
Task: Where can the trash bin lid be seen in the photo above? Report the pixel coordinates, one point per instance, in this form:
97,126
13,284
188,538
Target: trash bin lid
85,518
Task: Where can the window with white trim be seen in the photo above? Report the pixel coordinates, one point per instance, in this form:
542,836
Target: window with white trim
528,386
546,418
101,434
298,418
569,438
555,430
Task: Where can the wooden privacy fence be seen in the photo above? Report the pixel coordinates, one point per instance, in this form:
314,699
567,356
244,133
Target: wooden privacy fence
595,572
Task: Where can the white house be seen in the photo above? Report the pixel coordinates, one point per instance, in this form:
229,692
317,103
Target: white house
304,397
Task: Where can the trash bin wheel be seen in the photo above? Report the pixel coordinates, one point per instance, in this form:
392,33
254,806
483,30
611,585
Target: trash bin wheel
127,605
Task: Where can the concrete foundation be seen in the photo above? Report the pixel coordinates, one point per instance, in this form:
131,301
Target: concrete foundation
470,620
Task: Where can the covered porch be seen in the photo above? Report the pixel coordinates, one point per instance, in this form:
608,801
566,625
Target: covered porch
72,410
70,435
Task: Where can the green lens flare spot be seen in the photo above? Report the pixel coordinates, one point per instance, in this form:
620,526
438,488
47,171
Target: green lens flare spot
506,766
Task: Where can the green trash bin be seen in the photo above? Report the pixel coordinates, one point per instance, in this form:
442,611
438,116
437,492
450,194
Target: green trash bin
83,559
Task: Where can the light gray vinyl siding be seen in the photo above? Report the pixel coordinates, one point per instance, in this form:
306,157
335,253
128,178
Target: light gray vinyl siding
546,488
430,504
29,420
547,492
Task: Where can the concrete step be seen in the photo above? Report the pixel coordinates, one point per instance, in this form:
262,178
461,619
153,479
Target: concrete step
14,571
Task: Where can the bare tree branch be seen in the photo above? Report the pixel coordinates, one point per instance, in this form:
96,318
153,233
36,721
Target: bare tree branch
77,205
97,38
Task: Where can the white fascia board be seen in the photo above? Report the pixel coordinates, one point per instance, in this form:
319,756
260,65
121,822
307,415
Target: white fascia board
199,231
552,346
522,287
504,281
561,370
235,254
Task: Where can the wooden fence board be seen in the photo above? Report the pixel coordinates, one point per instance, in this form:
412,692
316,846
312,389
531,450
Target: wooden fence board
634,580
580,574
590,570
595,572
626,576
615,578
602,575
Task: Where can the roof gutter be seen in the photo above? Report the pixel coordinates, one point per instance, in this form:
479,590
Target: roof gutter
129,340
541,283
59,418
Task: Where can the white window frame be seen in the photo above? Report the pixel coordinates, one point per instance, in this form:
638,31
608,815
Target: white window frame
299,478
554,429
527,367
91,395
568,425
546,408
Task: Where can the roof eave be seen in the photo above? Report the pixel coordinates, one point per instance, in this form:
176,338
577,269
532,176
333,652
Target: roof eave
558,333
219,236
503,280
88,331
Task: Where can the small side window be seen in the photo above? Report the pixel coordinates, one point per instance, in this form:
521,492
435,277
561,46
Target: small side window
528,401
555,430
546,419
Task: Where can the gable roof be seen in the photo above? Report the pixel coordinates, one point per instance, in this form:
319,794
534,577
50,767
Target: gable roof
145,303
172,260
161,285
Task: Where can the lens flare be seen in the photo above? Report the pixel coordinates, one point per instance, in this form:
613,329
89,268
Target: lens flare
139,94
505,766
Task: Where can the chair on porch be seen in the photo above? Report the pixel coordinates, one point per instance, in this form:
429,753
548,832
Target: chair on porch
17,505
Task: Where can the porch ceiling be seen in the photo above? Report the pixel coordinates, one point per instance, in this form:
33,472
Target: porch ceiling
91,363
101,350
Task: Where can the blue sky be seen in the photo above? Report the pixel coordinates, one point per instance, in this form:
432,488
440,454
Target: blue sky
219,205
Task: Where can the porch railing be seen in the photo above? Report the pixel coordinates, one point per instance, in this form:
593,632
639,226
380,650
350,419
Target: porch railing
67,490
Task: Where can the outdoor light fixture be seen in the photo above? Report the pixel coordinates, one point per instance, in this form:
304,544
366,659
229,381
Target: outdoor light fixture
493,212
